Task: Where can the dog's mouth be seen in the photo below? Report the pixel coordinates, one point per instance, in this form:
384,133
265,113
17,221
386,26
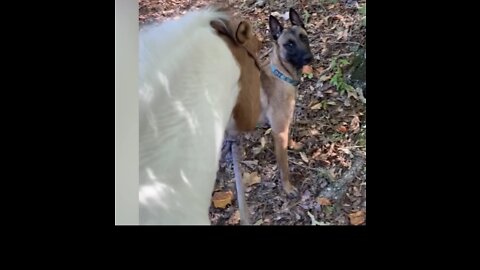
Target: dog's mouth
307,59
298,61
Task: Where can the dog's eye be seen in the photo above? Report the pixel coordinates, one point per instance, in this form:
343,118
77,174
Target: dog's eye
304,38
289,44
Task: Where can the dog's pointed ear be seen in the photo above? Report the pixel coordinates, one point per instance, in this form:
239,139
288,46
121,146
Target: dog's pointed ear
275,27
244,32
295,18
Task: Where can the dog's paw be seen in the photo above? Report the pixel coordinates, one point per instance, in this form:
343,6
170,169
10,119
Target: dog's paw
290,189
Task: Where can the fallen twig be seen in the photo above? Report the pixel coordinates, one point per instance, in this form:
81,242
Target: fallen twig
326,70
343,55
337,189
347,42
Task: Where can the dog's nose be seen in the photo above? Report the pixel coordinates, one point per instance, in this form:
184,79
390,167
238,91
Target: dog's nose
307,58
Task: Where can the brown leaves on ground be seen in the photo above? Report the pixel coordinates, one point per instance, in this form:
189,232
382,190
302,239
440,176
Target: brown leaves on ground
323,201
304,157
307,69
357,218
221,199
342,129
235,218
317,106
251,178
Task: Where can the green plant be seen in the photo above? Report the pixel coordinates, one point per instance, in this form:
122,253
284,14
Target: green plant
306,16
362,141
336,137
328,209
337,79
363,11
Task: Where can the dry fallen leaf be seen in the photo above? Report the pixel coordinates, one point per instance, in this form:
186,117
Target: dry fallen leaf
307,69
304,157
357,192
340,17
323,201
330,150
256,150
345,150
284,16
263,141
329,91
259,222
250,163
357,218
342,129
325,77
317,106
345,35
352,94
314,132
275,14
235,218
315,222
316,153
251,178
324,161
324,51
222,199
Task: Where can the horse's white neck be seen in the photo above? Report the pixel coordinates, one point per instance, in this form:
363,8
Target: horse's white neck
188,88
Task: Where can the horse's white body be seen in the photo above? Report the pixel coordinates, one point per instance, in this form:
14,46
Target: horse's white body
188,86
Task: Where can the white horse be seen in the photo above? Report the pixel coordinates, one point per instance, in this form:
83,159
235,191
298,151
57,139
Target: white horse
191,71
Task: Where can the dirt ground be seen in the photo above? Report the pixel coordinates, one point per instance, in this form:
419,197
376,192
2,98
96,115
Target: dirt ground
328,137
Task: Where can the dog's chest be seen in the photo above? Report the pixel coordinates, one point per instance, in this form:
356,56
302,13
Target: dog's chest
276,97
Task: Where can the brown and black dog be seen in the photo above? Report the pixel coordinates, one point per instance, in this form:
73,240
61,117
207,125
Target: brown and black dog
276,101
280,79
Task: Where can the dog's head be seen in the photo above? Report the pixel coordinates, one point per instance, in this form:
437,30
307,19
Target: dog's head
292,43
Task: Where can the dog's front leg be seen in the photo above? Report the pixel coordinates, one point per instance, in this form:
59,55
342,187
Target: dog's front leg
280,131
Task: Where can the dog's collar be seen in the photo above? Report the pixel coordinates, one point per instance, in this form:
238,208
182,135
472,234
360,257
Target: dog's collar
280,75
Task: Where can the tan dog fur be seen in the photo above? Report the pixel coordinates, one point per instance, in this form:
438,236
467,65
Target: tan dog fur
277,97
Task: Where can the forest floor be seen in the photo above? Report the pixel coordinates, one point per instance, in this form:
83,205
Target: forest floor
327,150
